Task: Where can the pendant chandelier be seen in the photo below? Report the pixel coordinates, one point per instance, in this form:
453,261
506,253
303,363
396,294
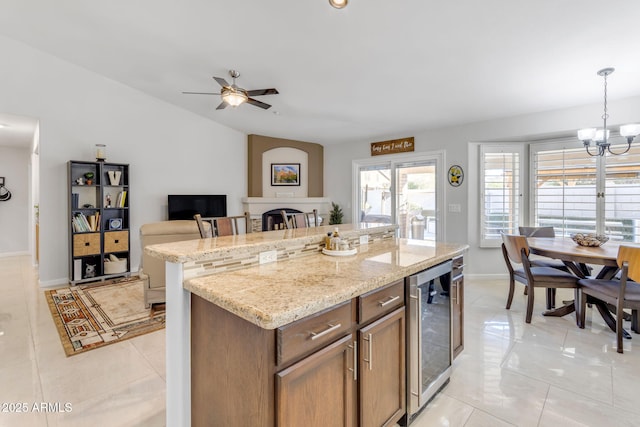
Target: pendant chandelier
601,136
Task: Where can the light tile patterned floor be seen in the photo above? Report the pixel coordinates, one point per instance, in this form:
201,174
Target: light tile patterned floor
117,385
547,373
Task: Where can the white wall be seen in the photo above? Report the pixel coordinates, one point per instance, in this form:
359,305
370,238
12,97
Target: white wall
15,212
169,149
456,141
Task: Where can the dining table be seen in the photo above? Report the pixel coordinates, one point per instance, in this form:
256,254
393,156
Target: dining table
578,259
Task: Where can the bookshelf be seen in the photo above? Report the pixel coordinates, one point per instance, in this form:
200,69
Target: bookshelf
99,235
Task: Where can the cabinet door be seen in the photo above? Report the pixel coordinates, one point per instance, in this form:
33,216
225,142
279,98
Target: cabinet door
319,390
457,314
382,370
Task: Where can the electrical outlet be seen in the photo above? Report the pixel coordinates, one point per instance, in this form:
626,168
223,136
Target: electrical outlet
364,239
268,256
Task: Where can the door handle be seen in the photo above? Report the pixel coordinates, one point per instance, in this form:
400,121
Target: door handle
354,348
369,338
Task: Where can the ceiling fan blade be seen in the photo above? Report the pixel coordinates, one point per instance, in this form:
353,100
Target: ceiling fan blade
259,92
258,103
200,93
222,82
222,106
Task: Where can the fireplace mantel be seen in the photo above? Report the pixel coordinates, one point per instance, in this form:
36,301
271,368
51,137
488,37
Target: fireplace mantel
256,206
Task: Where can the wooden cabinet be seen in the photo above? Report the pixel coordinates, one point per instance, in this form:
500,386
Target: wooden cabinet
457,305
344,366
320,390
382,370
98,194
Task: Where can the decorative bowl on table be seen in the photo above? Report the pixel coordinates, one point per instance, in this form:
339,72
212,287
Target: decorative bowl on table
589,239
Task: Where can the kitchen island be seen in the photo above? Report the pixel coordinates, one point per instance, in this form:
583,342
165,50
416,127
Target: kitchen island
234,326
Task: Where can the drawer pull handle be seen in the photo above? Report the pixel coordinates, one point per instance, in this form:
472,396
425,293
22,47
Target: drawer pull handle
87,244
331,328
116,241
389,301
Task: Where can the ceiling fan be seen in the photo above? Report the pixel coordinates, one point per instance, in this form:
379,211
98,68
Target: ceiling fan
233,95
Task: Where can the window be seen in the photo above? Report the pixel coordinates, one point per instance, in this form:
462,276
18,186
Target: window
574,192
500,191
564,189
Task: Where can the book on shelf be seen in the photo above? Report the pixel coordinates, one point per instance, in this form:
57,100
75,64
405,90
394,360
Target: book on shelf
75,197
83,223
120,201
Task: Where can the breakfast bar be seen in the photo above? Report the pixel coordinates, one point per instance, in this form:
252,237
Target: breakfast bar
242,334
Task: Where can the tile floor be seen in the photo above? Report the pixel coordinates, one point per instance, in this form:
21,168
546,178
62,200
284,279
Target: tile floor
547,373
118,385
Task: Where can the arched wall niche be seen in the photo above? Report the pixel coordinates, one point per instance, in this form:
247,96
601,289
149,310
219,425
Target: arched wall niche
258,145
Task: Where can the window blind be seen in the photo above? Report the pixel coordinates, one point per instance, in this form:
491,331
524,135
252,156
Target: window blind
501,209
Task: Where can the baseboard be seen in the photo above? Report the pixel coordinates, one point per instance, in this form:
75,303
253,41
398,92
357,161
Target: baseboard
55,283
10,254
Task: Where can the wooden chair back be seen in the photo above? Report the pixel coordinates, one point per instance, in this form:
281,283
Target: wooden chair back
632,256
537,231
300,220
513,245
223,226
312,218
205,230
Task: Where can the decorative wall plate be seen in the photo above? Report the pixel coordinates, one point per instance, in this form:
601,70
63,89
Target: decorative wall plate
455,175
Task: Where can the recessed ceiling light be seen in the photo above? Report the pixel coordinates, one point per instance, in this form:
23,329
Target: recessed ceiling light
338,4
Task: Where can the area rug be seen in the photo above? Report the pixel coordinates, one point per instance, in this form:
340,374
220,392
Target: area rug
89,316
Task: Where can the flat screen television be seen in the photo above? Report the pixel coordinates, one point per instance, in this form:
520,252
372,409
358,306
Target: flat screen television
185,206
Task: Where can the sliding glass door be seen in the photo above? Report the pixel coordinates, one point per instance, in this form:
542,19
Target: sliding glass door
406,191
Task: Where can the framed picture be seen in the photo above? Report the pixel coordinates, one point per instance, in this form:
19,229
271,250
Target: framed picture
115,224
285,174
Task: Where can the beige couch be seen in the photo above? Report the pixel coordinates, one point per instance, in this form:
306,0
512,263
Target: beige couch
153,269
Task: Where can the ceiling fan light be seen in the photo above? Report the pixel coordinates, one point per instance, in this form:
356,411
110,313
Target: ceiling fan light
234,98
587,134
630,130
338,4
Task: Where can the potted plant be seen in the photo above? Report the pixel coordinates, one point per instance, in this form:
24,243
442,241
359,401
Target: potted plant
335,216
89,177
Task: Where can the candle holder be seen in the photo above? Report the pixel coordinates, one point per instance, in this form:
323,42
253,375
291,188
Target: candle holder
101,152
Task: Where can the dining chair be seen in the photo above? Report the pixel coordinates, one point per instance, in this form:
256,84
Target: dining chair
300,220
543,261
205,226
623,293
515,251
223,226
538,262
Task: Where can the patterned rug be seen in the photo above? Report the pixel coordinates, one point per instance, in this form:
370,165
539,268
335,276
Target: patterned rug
89,316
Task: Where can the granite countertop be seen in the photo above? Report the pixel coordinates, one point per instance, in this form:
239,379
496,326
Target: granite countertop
198,249
276,294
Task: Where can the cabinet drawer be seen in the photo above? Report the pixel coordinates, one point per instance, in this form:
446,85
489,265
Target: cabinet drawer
116,241
86,244
311,333
381,301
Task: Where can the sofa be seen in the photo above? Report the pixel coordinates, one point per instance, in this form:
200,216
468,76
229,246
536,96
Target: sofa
152,270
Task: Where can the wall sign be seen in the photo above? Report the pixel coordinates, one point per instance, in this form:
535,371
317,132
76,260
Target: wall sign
393,146
455,175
